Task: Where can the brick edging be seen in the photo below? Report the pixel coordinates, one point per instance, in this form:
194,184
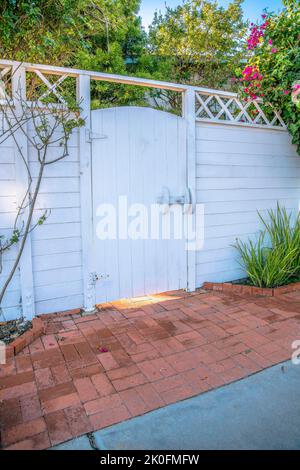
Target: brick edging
18,344
244,290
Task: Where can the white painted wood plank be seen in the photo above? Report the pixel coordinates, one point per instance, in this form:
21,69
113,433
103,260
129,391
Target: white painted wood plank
122,260
247,171
51,231
217,132
247,183
58,200
59,215
150,171
228,207
240,148
7,172
59,185
46,262
57,246
7,188
246,159
7,220
7,152
58,291
53,276
11,299
220,276
139,141
237,218
7,204
245,195
161,150
59,304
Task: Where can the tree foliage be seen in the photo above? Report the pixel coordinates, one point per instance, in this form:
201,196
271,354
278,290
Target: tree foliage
100,35
200,41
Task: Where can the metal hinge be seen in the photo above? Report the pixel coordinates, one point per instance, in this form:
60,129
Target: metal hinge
90,135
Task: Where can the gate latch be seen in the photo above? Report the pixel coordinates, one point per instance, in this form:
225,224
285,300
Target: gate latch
166,200
90,136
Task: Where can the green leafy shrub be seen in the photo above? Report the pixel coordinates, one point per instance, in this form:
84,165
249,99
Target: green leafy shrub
274,259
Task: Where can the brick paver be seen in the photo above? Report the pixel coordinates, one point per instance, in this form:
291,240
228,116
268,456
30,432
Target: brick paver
133,356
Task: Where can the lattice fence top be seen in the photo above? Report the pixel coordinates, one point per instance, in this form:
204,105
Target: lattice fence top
57,83
230,110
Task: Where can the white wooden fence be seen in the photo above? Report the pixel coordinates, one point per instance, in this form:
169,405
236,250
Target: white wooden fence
238,159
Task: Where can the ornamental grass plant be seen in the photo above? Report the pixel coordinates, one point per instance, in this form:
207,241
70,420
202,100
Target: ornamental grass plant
273,259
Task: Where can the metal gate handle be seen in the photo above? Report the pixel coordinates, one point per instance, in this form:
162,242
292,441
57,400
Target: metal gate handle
189,206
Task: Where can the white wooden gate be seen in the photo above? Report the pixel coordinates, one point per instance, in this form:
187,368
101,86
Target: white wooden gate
138,157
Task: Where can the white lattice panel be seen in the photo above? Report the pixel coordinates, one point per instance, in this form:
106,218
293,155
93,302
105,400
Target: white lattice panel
3,79
231,110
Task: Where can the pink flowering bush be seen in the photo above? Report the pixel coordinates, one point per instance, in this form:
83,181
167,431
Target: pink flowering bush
273,69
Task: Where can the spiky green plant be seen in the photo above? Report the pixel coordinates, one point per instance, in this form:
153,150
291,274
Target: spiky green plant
274,259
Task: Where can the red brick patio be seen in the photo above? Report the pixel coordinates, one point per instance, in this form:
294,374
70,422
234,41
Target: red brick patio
160,349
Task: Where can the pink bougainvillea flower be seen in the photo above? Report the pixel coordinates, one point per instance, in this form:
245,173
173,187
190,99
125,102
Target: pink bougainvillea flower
286,92
270,42
103,350
264,16
296,86
274,50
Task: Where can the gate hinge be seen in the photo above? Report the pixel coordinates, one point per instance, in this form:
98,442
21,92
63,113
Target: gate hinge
90,135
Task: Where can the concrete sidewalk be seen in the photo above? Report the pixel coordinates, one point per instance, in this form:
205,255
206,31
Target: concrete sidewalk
259,412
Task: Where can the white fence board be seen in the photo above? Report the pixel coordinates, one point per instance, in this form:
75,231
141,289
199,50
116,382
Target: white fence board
55,276
219,132
46,262
7,153
7,172
62,230
246,171
57,246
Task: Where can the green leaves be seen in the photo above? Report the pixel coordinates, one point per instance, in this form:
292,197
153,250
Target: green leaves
274,259
201,40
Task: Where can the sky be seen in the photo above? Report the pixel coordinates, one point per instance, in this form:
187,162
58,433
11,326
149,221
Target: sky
252,8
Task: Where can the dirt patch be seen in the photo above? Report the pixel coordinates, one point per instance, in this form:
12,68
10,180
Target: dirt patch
10,330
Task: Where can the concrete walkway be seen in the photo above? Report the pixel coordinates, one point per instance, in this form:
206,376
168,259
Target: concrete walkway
259,412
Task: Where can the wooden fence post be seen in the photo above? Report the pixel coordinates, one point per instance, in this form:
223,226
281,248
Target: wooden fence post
25,265
85,155
189,113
